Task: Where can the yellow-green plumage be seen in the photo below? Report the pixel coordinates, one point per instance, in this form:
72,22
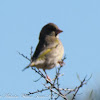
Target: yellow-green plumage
49,50
43,54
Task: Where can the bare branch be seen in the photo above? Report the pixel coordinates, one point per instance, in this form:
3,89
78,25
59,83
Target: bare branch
24,56
81,85
37,91
60,94
54,85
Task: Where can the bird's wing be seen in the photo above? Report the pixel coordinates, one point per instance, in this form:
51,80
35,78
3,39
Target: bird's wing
42,49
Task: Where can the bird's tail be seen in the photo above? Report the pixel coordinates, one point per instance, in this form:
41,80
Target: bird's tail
26,67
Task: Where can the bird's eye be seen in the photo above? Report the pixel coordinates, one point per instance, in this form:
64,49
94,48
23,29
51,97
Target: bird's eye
51,29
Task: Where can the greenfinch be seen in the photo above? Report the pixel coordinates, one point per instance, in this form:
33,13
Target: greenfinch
49,51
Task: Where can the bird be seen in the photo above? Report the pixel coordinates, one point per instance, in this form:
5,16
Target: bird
49,51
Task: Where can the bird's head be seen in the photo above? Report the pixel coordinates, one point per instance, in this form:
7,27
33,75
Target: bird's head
50,29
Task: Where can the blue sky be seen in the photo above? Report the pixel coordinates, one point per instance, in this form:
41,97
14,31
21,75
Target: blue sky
20,24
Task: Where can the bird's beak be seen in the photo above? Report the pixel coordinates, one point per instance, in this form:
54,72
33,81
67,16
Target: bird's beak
58,31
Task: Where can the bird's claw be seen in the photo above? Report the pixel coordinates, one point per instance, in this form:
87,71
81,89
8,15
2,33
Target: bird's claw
48,78
61,63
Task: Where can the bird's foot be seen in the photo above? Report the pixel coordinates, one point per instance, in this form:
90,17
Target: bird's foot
61,63
48,78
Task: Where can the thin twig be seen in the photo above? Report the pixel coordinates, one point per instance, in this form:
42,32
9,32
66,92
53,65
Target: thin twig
60,94
70,91
38,79
39,72
77,89
51,94
37,91
24,56
57,72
